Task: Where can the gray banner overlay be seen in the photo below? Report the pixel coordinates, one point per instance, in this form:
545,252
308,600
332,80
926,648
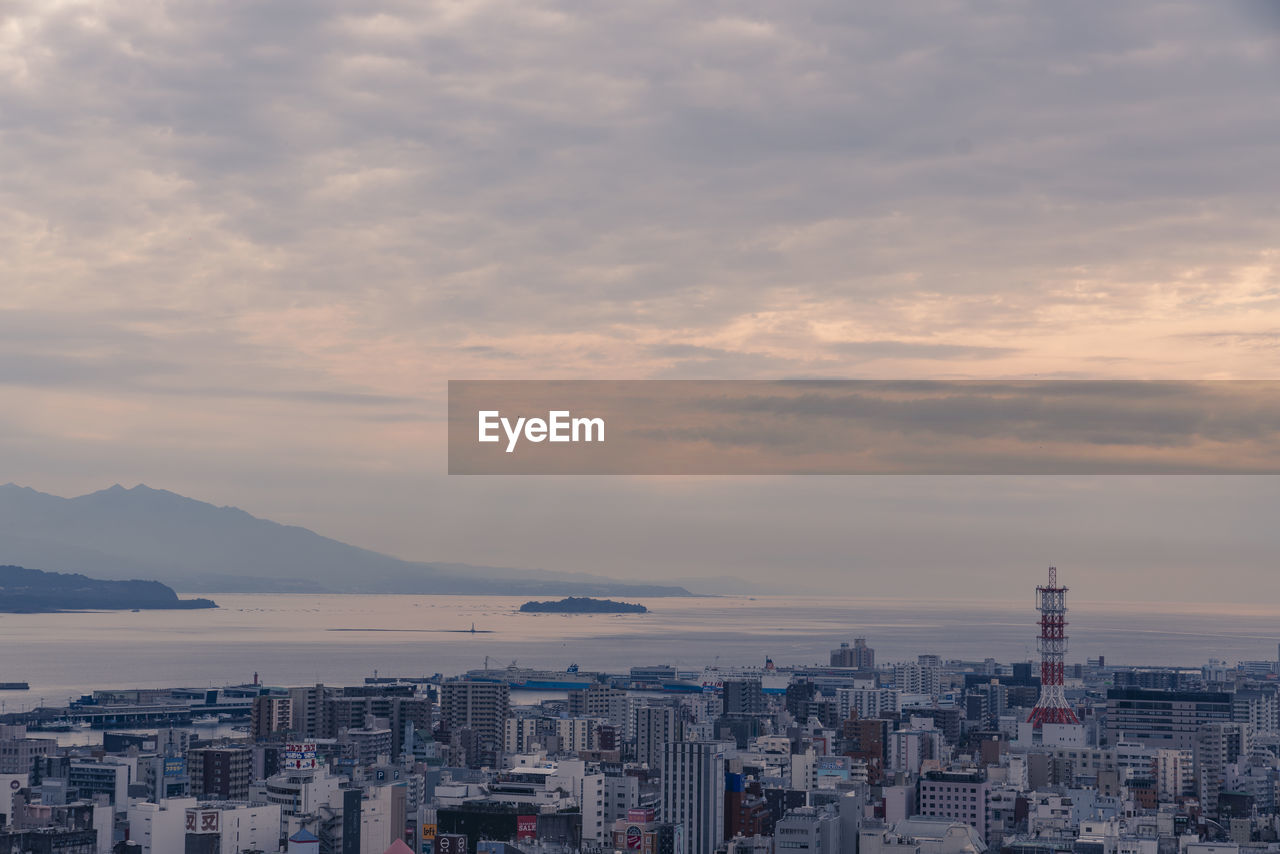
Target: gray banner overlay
718,427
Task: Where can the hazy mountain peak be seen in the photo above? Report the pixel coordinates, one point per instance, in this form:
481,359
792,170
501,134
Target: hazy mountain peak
193,545
137,490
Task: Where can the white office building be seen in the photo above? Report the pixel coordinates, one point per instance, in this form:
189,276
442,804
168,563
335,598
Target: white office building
693,791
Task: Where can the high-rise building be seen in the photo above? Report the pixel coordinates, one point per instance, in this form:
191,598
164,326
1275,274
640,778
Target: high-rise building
220,772
111,777
746,813
270,714
1217,745
578,735
1257,708
520,735
1175,777
600,701
908,749
866,702
693,791
868,740
859,655
959,795
356,712
743,697
1162,719
864,657
371,744
977,708
481,707
916,678
985,703
799,692
655,725
18,753
308,712
608,738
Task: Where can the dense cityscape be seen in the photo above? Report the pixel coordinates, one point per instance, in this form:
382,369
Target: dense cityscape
547,427
931,756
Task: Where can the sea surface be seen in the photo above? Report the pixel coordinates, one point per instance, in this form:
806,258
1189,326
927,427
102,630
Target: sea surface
338,639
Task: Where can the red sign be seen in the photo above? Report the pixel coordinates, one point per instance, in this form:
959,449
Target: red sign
526,827
635,838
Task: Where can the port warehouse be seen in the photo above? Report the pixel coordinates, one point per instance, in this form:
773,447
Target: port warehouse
175,706
145,707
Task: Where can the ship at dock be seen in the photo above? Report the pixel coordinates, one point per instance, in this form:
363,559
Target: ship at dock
663,678
529,679
712,678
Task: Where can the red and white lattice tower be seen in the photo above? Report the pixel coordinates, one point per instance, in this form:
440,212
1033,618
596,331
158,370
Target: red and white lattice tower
1052,706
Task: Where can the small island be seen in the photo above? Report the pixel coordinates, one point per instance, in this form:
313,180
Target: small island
583,605
34,591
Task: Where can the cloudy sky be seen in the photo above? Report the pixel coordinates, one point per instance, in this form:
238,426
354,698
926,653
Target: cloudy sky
245,245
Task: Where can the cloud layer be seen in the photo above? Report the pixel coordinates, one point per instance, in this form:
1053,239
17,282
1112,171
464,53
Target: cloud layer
246,244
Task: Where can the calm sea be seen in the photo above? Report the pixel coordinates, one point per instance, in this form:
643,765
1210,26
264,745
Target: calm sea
290,639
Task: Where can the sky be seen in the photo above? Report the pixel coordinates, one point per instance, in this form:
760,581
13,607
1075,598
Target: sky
245,246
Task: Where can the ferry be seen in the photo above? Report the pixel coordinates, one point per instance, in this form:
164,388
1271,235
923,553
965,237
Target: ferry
528,679
772,680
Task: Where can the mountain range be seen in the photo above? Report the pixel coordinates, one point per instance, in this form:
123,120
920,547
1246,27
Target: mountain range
197,547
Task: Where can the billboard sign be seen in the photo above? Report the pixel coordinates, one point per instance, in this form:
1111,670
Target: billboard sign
204,821
526,827
299,757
